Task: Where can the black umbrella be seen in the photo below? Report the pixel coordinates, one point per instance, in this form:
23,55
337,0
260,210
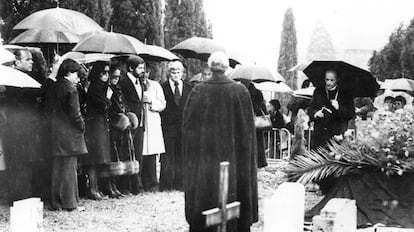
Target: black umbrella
202,48
359,81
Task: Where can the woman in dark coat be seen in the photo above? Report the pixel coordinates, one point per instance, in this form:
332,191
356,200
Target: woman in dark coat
259,108
67,133
97,126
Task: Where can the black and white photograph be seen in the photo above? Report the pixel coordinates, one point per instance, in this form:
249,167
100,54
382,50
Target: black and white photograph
206,116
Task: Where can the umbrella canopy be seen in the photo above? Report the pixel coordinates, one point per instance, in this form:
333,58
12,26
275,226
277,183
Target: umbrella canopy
255,73
352,78
202,48
157,53
304,93
273,87
45,36
12,77
86,58
110,42
299,67
402,84
6,56
59,19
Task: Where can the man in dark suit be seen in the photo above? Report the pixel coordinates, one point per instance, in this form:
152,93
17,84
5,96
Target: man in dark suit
132,87
175,91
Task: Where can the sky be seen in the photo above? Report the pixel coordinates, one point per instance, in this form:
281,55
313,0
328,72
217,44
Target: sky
252,28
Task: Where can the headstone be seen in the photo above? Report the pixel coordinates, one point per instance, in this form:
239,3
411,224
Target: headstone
27,215
338,215
285,210
393,229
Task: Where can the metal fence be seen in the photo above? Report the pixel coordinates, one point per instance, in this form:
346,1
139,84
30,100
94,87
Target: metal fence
277,144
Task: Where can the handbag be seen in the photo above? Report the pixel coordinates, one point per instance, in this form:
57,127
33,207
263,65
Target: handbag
263,121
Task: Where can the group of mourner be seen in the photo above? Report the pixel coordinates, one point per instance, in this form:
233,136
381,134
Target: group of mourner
70,137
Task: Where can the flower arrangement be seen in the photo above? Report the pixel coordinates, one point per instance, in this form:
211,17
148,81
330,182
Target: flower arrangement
384,144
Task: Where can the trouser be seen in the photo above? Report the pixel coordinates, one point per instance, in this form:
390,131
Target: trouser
171,175
65,192
149,171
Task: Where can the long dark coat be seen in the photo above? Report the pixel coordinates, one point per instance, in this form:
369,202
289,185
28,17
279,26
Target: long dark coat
97,124
218,126
171,176
334,124
67,126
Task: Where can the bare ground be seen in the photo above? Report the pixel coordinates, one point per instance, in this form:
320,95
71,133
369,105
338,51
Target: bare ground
161,211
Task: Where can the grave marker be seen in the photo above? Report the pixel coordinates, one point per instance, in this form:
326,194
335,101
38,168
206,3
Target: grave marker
285,210
225,212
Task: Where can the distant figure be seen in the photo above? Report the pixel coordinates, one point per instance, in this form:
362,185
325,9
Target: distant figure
364,107
275,115
218,126
176,92
331,108
399,102
389,103
67,133
299,141
204,75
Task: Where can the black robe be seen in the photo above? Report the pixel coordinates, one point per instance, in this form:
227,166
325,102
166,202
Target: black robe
335,123
218,126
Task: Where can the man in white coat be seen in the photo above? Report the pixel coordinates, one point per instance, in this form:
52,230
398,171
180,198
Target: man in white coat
154,102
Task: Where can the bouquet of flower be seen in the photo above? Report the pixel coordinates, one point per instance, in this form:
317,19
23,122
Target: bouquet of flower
384,144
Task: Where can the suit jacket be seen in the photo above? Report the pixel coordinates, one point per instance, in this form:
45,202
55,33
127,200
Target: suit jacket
67,125
171,117
132,100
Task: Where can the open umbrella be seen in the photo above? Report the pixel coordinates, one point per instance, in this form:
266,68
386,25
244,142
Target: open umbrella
352,78
6,56
59,19
87,58
304,93
157,53
45,36
110,42
299,67
400,84
12,77
202,48
270,86
255,73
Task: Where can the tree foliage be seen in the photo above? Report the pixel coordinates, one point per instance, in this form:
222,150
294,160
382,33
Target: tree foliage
388,62
320,46
288,51
185,19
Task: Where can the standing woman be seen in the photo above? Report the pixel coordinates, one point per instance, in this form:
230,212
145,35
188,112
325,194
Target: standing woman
67,133
97,126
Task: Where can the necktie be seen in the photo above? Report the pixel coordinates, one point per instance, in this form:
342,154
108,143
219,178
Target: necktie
177,94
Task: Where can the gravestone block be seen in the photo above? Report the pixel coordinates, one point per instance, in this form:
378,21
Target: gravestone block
338,215
27,215
285,210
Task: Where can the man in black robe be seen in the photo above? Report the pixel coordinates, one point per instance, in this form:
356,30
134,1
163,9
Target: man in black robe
218,126
331,108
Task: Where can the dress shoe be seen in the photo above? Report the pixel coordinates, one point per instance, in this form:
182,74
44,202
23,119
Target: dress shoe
94,196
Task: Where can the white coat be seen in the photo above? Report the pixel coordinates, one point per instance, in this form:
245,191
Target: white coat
153,137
